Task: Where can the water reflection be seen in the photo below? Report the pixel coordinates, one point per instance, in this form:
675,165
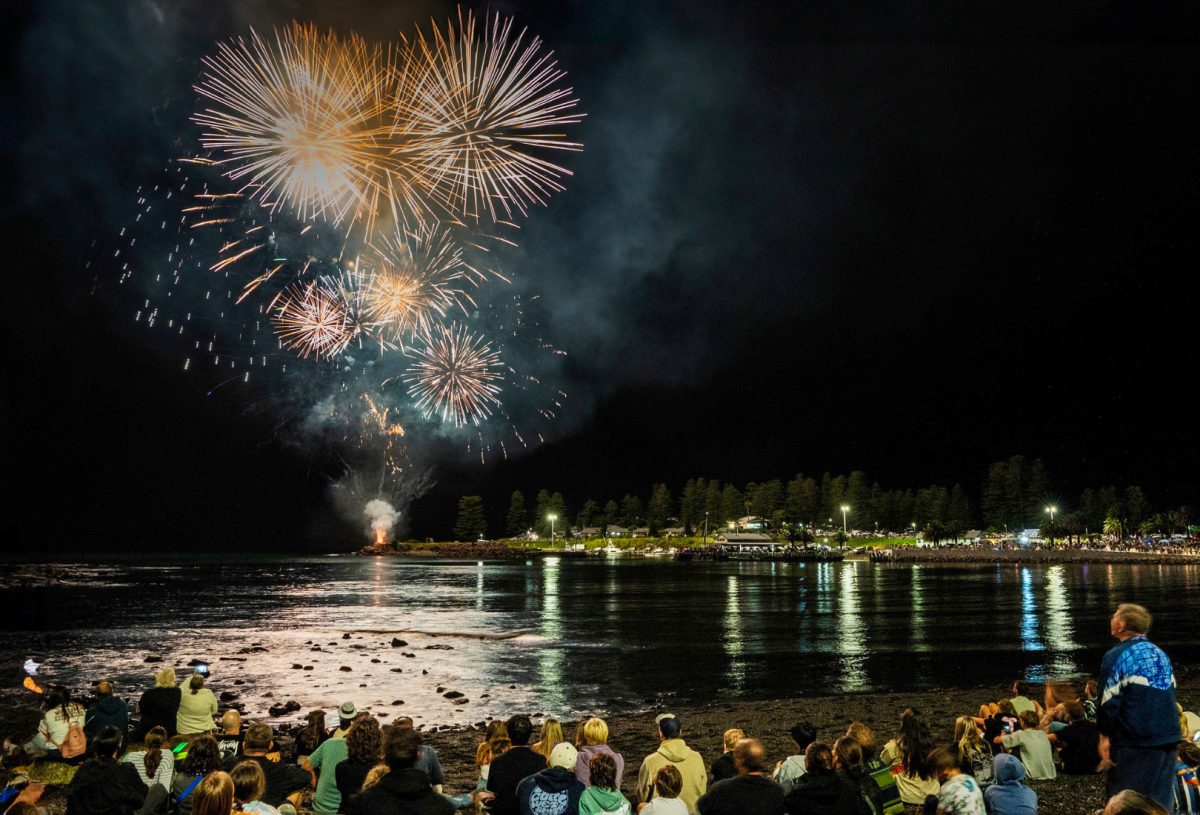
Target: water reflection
917,594
1060,630
851,632
551,656
1029,620
735,675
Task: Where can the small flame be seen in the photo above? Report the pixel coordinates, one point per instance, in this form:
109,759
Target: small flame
379,534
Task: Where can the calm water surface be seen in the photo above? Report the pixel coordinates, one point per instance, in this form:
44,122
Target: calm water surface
570,635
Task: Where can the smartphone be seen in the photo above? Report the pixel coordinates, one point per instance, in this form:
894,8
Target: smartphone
1008,727
202,669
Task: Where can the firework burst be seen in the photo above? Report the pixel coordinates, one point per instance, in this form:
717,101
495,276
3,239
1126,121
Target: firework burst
455,376
311,320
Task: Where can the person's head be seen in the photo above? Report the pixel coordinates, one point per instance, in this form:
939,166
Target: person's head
1018,688
603,770
165,678
1075,712
804,734
966,736
731,737
563,755
154,740
552,735
1029,720
1130,620
213,795
1128,802
203,756
916,742
519,729
364,740
107,743
749,757
1091,689
104,689
346,714
231,722
818,758
196,683
1006,707
865,737
848,756
496,729
1008,769
57,696
1189,753
401,747
668,782
594,731
257,740
249,781
944,762
669,726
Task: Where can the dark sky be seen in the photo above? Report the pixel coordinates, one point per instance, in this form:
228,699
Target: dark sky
909,242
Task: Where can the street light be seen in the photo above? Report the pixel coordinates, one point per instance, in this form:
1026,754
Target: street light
845,509
706,529
1050,510
552,518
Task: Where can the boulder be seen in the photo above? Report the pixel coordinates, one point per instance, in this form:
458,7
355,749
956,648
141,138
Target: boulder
396,643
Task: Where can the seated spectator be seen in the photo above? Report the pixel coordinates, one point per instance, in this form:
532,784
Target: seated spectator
1091,694
554,790
1017,699
877,767
673,750
324,762
313,734
594,735
364,749
285,782
347,713
1008,794
214,795
154,765
552,736
1001,723
229,740
104,785
602,796
54,738
203,757
1034,746
159,706
1187,777
495,742
516,763
819,791
723,767
960,793
908,756
792,767
427,760
665,798
751,790
974,756
197,706
108,709
1128,802
1078,742
248,786
403,790
852,771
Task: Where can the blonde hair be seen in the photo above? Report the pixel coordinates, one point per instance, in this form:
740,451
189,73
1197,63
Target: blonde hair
966,737
731,737
594,732
213,795
552,736
375,774
165,678
1136,618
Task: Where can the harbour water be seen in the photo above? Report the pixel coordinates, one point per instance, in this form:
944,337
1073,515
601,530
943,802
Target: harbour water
574,635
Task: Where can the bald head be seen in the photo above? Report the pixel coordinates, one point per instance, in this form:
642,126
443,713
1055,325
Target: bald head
231,722
403,722
749,757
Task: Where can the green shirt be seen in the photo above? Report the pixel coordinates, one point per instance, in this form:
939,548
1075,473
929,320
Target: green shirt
325,759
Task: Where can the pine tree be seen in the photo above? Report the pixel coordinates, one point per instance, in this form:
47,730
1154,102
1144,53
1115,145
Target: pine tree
517,523
471,524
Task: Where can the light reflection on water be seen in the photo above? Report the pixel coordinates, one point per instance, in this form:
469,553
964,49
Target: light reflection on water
578,635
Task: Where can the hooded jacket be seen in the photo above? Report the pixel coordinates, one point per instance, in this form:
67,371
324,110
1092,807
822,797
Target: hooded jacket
553,791
400,792
105,787
582,769
1008,795
821,793
110,710
599,801
686,760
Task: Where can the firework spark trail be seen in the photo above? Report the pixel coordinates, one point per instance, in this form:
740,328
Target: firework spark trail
311,321
455,376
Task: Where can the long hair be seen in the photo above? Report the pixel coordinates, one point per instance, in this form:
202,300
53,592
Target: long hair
203,757
213,795
364,741
495,741
916,743
966,738
848,756
154,742
58,696
552,736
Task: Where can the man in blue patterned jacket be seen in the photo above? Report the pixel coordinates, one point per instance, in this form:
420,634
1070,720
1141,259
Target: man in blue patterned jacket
1138,721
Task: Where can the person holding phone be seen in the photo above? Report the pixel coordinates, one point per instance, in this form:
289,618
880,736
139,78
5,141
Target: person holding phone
197,706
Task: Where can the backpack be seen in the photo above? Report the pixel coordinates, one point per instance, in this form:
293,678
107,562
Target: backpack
74,744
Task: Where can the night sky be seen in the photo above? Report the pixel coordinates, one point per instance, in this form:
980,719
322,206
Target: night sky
910,242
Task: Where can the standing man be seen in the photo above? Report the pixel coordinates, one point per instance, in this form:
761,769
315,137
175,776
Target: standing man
674,751
1139,725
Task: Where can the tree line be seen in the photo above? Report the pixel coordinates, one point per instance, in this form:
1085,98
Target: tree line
1015,496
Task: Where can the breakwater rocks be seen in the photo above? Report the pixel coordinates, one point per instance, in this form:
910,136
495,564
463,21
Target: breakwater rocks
461,551
973,554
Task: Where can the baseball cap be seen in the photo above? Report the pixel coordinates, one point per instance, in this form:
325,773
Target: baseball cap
564,755
347,711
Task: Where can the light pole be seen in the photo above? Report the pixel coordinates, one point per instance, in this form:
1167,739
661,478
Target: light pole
1050,510
706,529
552,518
845,509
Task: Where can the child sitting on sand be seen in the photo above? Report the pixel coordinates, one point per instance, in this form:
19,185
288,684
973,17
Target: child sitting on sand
668,783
